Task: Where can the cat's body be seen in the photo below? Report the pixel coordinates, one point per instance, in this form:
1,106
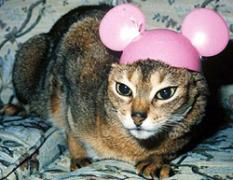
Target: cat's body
144,113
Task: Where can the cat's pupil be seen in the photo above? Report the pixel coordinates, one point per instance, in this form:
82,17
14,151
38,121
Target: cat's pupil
165,93
124,90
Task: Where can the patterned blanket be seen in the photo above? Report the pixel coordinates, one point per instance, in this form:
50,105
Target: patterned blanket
32,148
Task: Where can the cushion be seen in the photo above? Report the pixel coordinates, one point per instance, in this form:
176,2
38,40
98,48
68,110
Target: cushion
27,145
212,159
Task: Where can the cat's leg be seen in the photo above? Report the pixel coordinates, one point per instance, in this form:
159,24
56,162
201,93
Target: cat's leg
158,164
13,110
30,60
30,65
78,155
154,167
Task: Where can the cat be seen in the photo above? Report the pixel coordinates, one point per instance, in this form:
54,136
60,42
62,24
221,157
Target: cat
144,113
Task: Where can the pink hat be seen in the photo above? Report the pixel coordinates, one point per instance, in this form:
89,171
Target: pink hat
203,33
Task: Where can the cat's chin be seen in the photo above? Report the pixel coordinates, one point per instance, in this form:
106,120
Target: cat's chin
141,134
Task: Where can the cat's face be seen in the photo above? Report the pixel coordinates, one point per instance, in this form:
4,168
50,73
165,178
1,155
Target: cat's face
149,96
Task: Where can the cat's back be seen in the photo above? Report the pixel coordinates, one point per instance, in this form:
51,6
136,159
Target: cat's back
85,60
70,52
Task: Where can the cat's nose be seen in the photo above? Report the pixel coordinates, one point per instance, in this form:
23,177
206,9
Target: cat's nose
138,117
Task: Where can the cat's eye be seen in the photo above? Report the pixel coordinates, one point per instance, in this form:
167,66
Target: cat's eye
123,89
165,93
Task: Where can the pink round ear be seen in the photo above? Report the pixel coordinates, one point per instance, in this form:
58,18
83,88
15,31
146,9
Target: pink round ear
121,25
207,31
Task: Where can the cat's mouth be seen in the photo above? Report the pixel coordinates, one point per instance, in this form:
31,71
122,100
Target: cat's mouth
141,133
139,129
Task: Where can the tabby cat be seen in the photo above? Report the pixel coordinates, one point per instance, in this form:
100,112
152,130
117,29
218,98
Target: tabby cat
144,113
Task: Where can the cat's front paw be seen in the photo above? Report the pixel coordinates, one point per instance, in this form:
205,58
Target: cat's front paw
13,110
79,162
151,169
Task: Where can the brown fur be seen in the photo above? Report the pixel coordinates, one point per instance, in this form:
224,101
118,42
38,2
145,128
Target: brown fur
69,76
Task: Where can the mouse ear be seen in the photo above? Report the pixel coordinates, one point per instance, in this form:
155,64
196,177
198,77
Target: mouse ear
121,25
206,30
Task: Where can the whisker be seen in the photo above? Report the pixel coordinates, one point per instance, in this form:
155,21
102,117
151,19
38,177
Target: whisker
164,129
